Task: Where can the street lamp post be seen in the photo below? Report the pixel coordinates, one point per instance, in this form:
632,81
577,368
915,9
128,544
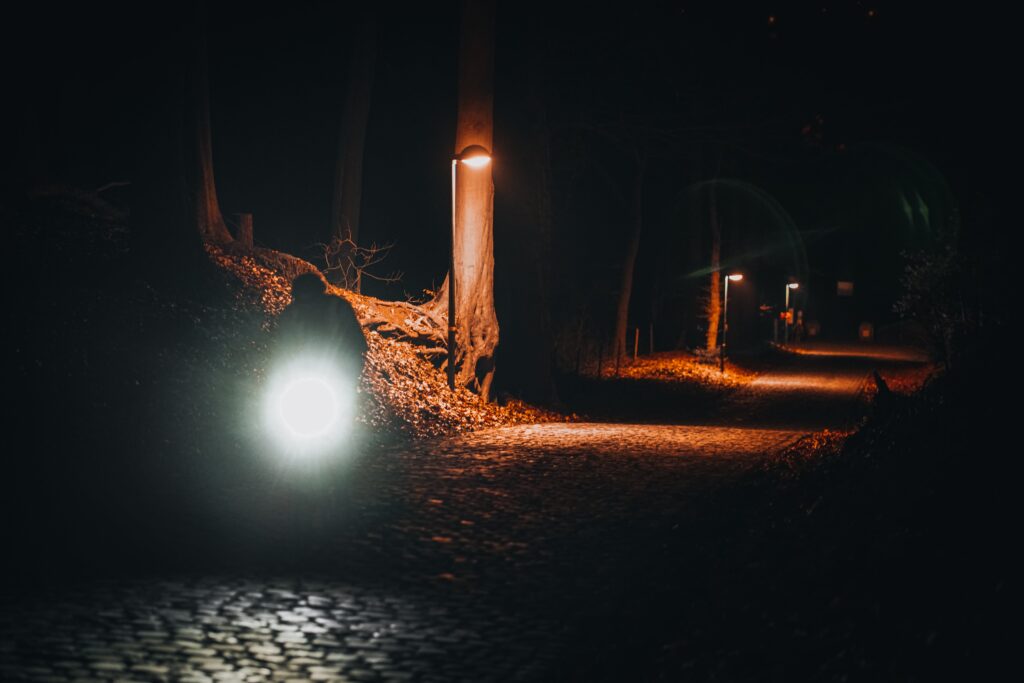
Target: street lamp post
785,329
473,156
736,277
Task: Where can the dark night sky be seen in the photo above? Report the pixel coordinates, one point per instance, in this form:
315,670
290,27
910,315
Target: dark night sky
710,87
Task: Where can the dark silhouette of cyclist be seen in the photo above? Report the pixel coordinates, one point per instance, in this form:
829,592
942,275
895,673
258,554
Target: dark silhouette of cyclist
323,324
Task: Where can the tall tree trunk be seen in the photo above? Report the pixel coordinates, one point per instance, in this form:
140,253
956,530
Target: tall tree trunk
348,180
543,381
208,215
535,298
713,312
165,235
629,260
475,319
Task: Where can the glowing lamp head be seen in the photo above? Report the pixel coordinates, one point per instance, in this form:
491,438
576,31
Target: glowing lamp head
794,285
735,277
474,156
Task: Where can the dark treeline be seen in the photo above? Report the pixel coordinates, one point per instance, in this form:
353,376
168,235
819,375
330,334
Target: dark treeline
830,138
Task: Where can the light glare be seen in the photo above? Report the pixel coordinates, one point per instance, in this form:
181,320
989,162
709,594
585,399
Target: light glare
477,161
309,406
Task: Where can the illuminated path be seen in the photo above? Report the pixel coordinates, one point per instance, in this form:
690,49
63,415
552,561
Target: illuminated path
819,388
540,552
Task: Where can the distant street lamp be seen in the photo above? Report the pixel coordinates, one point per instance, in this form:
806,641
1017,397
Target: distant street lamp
473,156
736,277
785,329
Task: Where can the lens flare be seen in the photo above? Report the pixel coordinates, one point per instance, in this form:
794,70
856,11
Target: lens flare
308,406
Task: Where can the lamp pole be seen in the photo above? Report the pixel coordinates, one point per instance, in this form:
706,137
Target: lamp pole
785,329
736,277
451,287
473,156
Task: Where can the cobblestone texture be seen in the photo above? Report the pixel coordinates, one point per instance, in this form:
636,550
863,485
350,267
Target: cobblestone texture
483,557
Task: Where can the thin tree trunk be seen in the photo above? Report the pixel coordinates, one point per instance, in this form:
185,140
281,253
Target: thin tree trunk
714,308
208,215
348,182
629,261
475,320
245,234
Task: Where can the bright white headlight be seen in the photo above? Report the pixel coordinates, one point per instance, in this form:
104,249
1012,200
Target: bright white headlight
308,407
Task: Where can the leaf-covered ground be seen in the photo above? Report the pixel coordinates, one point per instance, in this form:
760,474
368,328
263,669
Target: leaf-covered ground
403,391
682,366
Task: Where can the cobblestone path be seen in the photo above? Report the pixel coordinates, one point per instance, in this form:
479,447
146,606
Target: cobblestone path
520,553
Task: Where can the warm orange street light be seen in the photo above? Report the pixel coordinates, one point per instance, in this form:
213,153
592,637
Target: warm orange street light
473,156
735,277
785,329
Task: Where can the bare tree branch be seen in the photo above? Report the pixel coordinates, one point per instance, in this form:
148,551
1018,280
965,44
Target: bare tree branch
346,263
